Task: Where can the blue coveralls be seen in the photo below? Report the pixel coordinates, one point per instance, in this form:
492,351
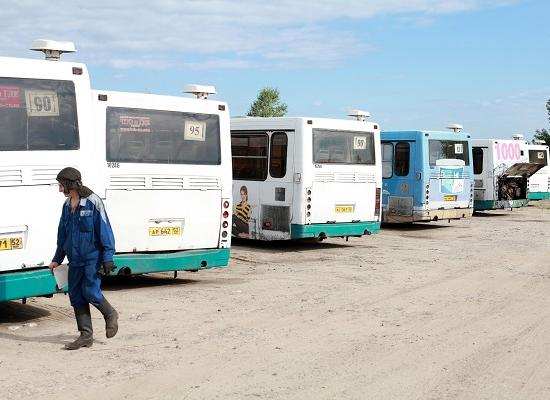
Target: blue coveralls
86,238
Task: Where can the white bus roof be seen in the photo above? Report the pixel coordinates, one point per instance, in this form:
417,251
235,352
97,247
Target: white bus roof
161,102
293,122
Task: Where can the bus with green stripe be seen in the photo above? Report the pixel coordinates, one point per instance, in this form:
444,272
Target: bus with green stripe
161,164
305,178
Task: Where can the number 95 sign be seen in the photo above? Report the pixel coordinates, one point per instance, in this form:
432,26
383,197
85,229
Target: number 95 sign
195,130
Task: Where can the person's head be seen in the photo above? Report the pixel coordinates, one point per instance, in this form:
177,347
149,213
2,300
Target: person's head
69,178
244,194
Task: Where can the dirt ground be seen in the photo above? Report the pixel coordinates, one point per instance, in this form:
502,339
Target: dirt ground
456,310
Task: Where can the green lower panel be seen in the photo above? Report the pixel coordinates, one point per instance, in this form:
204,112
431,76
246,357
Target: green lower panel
343,229
481,205
23,284
188,260
538,195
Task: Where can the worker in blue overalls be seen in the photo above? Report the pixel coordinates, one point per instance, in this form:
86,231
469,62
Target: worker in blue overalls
86,238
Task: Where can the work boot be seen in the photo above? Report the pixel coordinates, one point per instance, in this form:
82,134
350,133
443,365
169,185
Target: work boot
84,324
111,317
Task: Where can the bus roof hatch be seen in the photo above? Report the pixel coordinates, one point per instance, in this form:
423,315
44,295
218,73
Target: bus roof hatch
455,127
360,115
201,91
53,49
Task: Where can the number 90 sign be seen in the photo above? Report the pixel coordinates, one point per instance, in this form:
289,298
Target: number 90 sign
508,151
42,103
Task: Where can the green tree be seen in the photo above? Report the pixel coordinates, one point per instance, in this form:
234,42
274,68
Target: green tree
543,134
268,104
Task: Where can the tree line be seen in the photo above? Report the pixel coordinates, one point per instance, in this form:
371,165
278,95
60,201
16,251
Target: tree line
544,134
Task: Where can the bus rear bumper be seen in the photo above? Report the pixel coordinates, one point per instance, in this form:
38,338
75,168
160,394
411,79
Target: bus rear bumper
334,230
538,195
22,284
429,215
483,205
188,260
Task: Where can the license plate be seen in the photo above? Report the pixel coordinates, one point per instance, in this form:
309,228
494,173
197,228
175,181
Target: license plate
449,198
165,231
13,243
344,209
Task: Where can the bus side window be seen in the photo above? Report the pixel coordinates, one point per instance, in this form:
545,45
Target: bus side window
278,155
478,160
402,158
249,156
387,160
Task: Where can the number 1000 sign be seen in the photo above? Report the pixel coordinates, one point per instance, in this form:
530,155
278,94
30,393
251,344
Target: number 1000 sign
508,151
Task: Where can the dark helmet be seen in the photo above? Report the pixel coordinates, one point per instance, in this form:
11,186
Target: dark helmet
71,179
69,174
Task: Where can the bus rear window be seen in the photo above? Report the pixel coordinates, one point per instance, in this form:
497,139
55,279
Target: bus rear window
37,114
477,154
162,137
538,157
343,147
448,149
249,155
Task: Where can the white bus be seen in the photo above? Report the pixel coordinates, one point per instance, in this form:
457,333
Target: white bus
539,183
45,125
296,178
501,173
165,166
169,200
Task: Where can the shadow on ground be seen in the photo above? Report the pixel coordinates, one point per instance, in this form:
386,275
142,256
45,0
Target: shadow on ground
17,312
419,226
291,245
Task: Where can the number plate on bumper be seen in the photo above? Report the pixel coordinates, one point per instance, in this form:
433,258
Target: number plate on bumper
165,231
11,243
344,209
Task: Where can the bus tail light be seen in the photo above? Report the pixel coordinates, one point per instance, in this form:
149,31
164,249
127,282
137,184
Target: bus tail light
308,202
225,232
377,202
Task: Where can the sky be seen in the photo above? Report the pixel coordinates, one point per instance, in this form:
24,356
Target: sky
413,64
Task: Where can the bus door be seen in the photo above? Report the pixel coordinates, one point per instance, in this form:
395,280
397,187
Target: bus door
277,192
483,184
262,184
404,186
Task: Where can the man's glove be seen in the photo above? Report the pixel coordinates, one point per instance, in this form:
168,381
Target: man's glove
106,268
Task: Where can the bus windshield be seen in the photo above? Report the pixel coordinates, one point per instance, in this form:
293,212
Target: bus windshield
448,149
538,157
162,137
343,147
37,114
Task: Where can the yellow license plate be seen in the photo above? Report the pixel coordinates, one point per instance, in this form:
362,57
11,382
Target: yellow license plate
165,231
11,243
344,209
449,198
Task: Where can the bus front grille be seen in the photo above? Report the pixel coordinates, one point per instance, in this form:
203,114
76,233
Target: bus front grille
11,177
127,182
167,182
344,177
44,176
